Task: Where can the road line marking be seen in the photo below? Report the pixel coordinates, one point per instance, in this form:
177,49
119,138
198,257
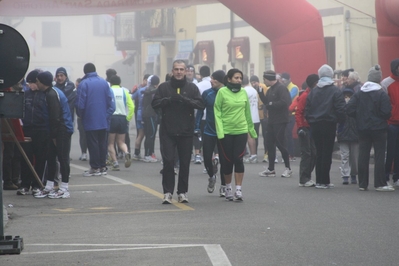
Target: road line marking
139,186
102,213
215,252
217,255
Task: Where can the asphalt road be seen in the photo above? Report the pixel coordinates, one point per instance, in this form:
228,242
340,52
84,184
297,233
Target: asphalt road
118,219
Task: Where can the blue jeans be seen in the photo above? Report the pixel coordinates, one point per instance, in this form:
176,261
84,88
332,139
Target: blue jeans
392,152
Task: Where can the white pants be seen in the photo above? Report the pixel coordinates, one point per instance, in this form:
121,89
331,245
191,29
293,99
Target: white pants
349,158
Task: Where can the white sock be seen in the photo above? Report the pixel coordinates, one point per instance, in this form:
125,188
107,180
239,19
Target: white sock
64,186
49,185
238,187
253,155
228,186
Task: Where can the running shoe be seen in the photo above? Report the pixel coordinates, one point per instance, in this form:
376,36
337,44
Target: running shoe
182,198
211,184
128,160
60,194
167,198
229,194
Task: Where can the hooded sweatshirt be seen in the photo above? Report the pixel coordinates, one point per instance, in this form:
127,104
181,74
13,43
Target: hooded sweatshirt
371,108
325,103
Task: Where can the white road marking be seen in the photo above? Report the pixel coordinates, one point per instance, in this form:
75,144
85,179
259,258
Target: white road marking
215,252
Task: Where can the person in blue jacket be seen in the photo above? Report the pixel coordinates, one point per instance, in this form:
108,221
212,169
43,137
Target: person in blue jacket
95,105
59,144
210,143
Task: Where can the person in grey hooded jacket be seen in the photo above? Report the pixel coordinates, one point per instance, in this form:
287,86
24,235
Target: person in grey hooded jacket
325,106
371,108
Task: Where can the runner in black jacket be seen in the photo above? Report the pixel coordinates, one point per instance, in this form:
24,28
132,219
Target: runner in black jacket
177,100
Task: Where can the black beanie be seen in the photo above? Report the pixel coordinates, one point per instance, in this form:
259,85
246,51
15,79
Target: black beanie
46,78
31,77
254,79
311,80
61,70
269,75
88,68
154,80
219,76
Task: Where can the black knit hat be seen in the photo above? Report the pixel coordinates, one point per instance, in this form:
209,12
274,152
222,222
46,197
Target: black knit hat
61,70
269,75
219,76
46,78
155,80
31,77
254,79
286,76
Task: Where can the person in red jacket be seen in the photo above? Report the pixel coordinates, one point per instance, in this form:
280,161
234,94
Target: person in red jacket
391,86
307,146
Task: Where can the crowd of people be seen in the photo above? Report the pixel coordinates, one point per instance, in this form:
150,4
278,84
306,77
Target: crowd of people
215,121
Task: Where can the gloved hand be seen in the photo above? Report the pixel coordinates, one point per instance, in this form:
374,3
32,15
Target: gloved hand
302,132
197,133
176,97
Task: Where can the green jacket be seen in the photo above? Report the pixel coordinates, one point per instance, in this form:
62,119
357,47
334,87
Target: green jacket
233,114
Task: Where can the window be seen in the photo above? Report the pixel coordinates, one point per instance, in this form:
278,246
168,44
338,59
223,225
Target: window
268,62
103,25
51,34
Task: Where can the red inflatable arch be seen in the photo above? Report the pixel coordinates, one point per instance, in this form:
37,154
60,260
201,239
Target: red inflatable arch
388,33
295,31
294,28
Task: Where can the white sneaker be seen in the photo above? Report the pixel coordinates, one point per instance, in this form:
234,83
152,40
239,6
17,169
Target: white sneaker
211,184
385,189
149,159
83,157
324,186
204,171
395,184
222,191
238,195
92,172
268,173
44,193
253,159
228,194
287,173
182,198
276,160
198,159
60,194
167,198
310,183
